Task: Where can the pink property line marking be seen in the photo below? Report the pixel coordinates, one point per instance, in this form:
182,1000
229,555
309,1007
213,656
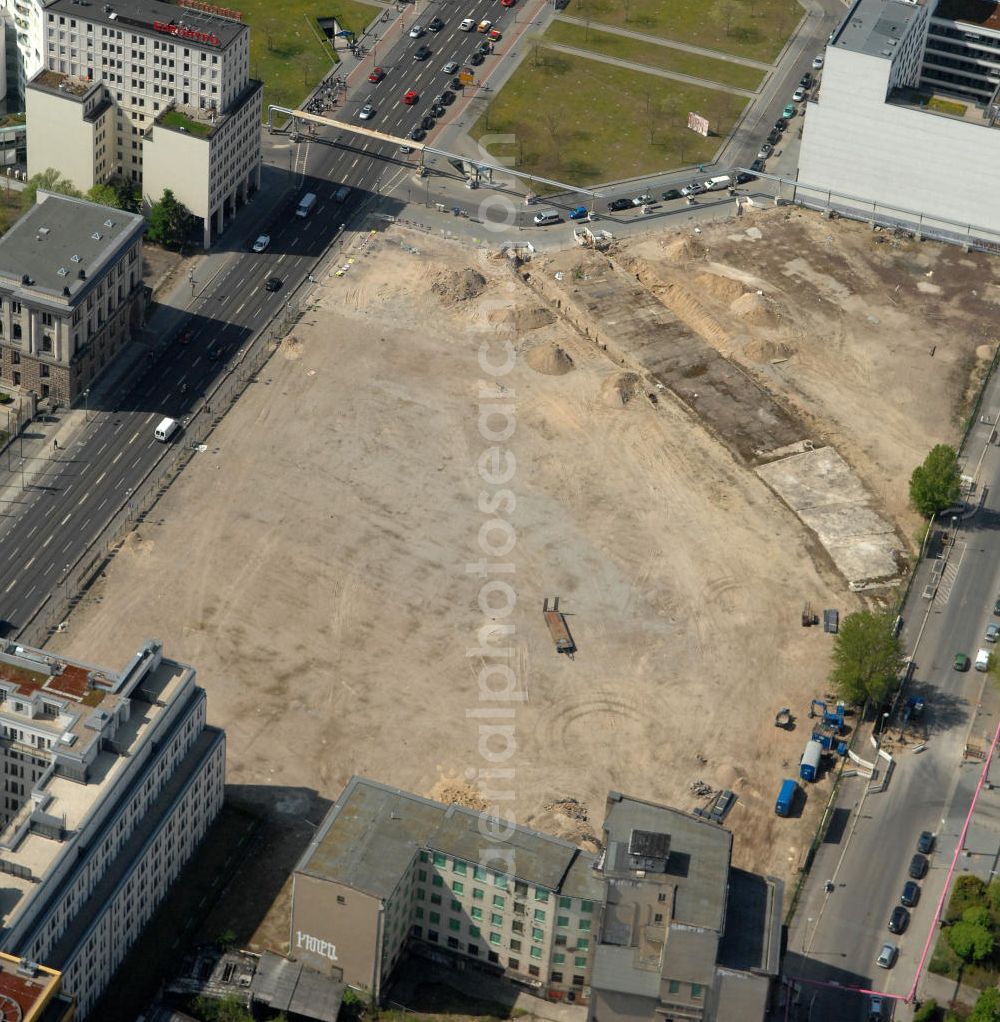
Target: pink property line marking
830,984
951,869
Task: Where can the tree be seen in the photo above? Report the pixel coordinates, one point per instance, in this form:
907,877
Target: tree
936,483
722,11
971,942
987,1007
271,27
49,180
169,221
927,1012
104,195
867,657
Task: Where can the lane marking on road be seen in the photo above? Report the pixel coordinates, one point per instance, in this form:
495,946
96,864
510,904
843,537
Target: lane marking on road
102,448
136,462
34,529
950,574
49,568
49,510
134,437
29,592
48,540
281,259
11,586
117,456
243,306
67,518
29,564
97,482
102,503
83,498
66,547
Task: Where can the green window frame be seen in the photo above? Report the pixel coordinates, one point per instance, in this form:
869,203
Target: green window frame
421,893
422,875
586,906
435,899
437,881
499,880
558,959
674,986
541,895
540,914
476,913
477,893
580,963
418,912
565,902
440,860
536,952
423,856
583,943
584,924
455,925
562,920
478,873
696,990
537,934
498,902
435,917
458,866
456,906
496,919
457,887
474,931
494,938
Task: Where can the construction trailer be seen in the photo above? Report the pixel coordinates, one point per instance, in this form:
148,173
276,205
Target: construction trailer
810,762
558,629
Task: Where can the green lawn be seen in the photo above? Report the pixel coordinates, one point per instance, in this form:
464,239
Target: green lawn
749,28
599,122
175,119
653,55
288,51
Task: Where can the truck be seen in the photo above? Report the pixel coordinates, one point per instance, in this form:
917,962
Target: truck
809,764
786,797
305,205
166,429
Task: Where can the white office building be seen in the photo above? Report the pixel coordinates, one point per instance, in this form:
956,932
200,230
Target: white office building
153,92
904,122
110,782
24,43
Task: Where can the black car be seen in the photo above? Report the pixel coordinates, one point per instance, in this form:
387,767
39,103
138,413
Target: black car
671,193
617,205
806,80
427,123
911,893
918,867
435,25
757,165
214,353
780,124
273,284
417,134
455,84
422,53
447,97
743,177
774,136
925,843
899,919
477,58
483,48
437,110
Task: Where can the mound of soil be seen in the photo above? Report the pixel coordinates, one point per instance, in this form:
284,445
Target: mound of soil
458,792
549,359
522,320
618,390
682,249
724,288
753,307
459,286
984,352
767,351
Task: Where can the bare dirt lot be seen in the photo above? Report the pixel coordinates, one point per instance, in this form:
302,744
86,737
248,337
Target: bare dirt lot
314,562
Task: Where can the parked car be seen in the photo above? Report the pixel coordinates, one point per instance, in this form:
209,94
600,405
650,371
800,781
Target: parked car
367,112
447,97
996,607
422,53
925,843
377,75
507,3
484,48
765,151
798,95
694,188
455,84
818,61
427,123
642,200
417,31
918,867
410,97
781,123
451,67
671,193
467,25
757,166
263,240
789,112
911,893
743,177
495,35
774,136
874,1008
580,213
273,284
476,59
438,110
484,26
405,149
435,25
899,919
417,134
617,205
887,955
806,81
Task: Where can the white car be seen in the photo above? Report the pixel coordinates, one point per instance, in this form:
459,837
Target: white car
798,95
262,242
874,1008
417,31
450,68
367,112
817,61
468,25
887,955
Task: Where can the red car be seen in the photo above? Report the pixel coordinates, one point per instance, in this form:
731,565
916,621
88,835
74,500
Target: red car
376,76
507,3
410,97
495,34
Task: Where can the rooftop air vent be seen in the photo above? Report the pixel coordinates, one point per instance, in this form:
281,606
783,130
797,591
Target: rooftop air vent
109,223
26,280
65,291
82,274
97,236
74,258
43,231
62,271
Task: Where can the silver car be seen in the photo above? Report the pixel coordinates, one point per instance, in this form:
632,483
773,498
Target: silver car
887,955
992,631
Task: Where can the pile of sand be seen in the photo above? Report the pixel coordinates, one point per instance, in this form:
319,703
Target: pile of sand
459,285
767,351
549,359
724,288
522,320
291,348
753,307
984,352
682,249
567,818
618,390
457,792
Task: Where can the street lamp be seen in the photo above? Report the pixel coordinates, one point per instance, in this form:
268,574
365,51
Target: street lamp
86,409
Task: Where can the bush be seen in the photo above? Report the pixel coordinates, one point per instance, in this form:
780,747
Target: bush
971,942
969,891
927,1012
978,915
987,1007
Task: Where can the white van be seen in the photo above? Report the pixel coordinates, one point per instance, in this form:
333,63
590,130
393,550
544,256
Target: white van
166,429
716,184
983,660
306,204
546,217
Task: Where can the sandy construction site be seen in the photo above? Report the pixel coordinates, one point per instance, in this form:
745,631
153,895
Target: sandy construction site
438,448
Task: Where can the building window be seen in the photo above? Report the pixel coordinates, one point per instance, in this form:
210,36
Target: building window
435,899
696,990
661,897
44,371
16,331
458,887
474,931
565,902
517,926
674,986
536,952
500,881
17,379
577,981
494,938
423,856
658,918
533,970
585,923
560,940
515,945
557,977
421,894
476,913
46,343
562,920
435,917
473,949
432,936
583,943
540,915
541,895
580,962
439,859
586,906
537,934
479,873
520,888
514,963
418,912
477,893
496,919
456,906
498,902
458,867
455,925
438,881
422,875
493,957
558,959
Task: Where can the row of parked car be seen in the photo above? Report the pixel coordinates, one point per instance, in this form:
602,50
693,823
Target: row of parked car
899,918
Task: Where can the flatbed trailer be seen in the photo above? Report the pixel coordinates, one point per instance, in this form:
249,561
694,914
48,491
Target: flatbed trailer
558,629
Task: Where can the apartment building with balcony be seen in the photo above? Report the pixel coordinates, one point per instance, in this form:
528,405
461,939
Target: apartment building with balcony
110,779
71,294
154,92
389,870
907,115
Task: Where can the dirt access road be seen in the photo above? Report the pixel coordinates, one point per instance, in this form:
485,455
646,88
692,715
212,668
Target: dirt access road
314,562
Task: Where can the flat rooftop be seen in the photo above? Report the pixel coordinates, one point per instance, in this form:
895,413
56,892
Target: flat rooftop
61,238
875,27
982,13
369,838
145,14
26,985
